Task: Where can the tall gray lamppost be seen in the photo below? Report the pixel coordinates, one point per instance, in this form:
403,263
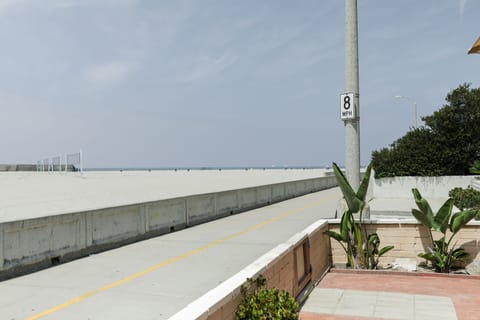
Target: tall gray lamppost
349,101
415,124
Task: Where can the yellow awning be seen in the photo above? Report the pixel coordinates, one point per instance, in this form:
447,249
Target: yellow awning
476,47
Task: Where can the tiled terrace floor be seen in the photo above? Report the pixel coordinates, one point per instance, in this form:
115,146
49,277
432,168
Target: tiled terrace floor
351,295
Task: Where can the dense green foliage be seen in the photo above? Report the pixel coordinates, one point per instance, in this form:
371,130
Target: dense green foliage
442,255
415,154
465,198
361,248
266,304
475,168
448,144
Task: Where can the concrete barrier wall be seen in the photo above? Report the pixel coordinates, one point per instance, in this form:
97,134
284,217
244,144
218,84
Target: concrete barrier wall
161,216
28,167
475,183
277,266
411,238
18,167
40,242
29,242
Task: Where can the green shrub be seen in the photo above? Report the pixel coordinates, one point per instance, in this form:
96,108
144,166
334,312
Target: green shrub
465,198
475,168
265,304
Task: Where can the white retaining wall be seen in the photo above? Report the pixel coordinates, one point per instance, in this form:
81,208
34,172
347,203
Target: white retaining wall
39,242
393,196
429,187
475,183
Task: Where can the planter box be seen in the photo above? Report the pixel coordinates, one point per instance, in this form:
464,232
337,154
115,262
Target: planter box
411,238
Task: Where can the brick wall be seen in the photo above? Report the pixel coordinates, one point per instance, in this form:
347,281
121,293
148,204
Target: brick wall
410,239
281,272
319,253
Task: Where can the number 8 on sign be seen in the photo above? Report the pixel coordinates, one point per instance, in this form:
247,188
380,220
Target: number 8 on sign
346,104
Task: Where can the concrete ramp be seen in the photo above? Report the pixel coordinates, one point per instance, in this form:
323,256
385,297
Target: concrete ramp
49,219
156,278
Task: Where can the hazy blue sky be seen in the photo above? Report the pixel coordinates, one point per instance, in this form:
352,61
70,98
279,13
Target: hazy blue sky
220,83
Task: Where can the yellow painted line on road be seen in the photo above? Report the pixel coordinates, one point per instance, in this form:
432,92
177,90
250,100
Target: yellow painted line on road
183,256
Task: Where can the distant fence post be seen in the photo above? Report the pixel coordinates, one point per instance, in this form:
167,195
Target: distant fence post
56,163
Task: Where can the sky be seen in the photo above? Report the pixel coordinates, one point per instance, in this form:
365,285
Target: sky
147,83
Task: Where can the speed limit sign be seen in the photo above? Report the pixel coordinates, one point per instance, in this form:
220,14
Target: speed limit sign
348,106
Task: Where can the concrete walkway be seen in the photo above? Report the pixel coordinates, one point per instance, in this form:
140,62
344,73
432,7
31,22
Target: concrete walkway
390,295
156,278
379,304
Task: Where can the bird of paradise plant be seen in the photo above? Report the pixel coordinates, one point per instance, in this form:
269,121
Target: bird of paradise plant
361,248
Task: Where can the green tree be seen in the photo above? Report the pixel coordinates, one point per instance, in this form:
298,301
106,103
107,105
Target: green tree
448,144
456,126
412,155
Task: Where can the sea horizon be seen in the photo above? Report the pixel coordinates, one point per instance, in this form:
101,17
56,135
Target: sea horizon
187,168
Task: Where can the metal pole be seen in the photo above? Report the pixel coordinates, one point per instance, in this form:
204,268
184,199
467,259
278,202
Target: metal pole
81,162
352,126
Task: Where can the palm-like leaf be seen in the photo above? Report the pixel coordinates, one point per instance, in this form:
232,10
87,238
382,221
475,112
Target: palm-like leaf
440,261
346,225
461,218
334,235
428,256
440,222
422,218
374,240
363,188
459,254
357,234
440,244
424,207
353,203
384,250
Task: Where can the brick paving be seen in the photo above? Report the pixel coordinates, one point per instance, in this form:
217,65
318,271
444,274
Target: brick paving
462,290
